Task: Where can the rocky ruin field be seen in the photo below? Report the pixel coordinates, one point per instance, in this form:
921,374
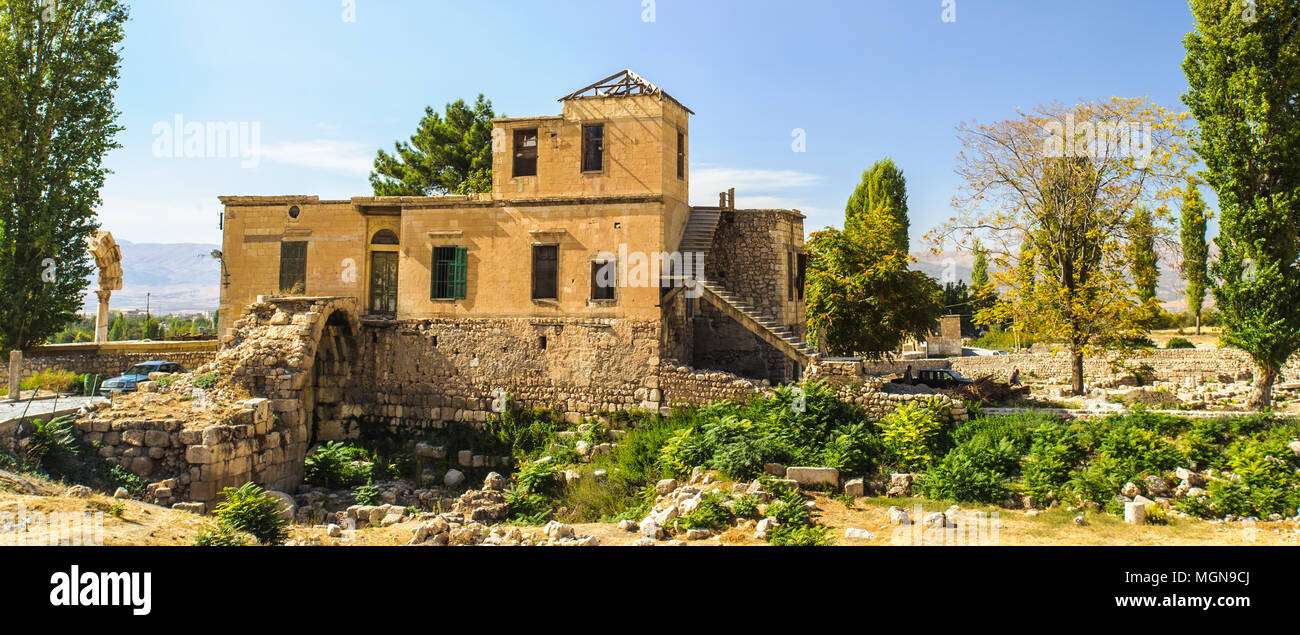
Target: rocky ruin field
796,467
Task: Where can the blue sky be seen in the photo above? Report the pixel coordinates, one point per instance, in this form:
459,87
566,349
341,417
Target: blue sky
865,79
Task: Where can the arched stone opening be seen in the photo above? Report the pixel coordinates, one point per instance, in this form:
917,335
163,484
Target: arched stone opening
333,368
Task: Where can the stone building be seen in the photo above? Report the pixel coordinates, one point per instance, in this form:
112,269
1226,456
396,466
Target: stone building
578,283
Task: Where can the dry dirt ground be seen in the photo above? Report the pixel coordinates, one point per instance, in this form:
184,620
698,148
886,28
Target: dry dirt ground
149,525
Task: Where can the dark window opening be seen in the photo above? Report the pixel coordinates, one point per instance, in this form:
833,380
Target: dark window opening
525,153
449,269
801,280
681,156
294,212
790,274
293,268
604,279
435,341
541,342
593,148
546,272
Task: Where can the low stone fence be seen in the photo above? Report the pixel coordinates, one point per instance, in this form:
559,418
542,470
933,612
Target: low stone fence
111,359
854,385
1222,365
195,463
685,386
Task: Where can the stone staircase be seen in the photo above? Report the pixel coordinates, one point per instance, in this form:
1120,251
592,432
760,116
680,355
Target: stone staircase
766,327
697,238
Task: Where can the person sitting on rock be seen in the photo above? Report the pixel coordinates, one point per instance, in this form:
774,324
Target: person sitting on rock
1015,377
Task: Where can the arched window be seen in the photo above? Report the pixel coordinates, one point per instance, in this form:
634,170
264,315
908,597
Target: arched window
384,237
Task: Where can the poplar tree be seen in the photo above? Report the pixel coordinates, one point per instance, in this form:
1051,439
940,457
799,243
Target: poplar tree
59,65
1243,70
1195,252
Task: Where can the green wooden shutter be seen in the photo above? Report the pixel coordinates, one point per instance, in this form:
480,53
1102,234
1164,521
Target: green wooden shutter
461,272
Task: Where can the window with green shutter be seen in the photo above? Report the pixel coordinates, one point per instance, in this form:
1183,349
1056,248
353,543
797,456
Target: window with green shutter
450,271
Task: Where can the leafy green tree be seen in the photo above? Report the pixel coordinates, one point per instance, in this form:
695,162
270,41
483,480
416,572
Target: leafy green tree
1244,79
1069,195
59,68
449,153
117,330
863,299
1195,252
883,186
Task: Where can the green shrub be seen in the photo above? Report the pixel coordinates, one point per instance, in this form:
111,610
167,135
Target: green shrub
538,477
206,381
805,536
337,465
253,510
745,506
366,494
976,471
681,453
526,508
1179,343
60,381
1047,466
854,449
909,436
45,440
222,536
712,513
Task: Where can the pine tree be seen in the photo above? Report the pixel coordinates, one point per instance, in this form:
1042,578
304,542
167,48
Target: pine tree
1195,252
448,154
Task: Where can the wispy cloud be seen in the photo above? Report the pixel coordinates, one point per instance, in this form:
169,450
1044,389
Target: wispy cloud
343,157
755,188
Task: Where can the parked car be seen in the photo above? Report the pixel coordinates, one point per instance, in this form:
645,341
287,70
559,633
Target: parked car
127,382
944,378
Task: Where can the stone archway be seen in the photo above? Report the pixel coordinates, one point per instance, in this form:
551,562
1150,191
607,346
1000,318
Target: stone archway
298,353
332,370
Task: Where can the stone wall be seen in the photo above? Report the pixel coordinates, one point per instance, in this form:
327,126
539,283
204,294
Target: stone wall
1223,365
751,257
194,464
722,343
452,370
852,385
111,359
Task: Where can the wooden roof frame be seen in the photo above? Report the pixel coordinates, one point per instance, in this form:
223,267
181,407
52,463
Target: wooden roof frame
624,83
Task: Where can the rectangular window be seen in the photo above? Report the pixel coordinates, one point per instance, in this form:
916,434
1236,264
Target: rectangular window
681,155
604,279
293,267
593,148
801,277
450,271
789,274
526,152
546,272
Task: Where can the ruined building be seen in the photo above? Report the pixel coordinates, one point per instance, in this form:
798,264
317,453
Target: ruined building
585,281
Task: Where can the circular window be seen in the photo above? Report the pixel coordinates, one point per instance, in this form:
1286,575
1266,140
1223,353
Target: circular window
294,212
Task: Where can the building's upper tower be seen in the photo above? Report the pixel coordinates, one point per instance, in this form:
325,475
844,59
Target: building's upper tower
621,136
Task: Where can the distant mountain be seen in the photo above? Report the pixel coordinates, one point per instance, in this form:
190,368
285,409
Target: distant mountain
180,277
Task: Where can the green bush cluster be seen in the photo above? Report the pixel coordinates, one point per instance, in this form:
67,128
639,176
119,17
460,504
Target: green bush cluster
339,465
252,510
